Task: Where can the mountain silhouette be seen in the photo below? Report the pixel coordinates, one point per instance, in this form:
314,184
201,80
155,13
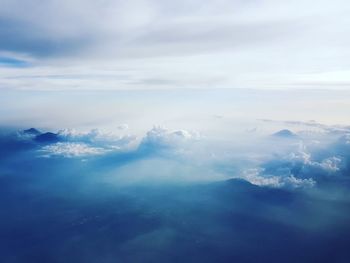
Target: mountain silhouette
285,134
47,137
32,131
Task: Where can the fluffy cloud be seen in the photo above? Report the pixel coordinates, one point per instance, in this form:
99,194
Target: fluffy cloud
329,164
258,177
81,144
161,137
68,149
76,144
269,162
97,137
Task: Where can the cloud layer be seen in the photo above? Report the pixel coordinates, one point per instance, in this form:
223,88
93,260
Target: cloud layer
300,161
148,44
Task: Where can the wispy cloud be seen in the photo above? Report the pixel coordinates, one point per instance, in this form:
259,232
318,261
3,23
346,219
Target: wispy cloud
230,44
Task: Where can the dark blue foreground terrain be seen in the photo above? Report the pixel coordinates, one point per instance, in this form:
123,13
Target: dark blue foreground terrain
230,221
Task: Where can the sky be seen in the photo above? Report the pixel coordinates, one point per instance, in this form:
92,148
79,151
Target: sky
174,131
145,44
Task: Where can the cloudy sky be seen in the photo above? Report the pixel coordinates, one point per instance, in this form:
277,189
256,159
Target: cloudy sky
149,44
174,131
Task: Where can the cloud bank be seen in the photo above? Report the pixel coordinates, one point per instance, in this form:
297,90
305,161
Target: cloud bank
160,44
298,161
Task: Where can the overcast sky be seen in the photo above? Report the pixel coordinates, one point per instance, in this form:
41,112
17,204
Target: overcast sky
149,44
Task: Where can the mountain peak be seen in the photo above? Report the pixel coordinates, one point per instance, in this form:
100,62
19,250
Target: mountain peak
285,133
32,131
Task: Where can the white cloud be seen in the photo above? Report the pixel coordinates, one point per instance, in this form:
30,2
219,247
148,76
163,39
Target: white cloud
329,164
94,142
96,137
164,137
256,177
70,150
169,44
